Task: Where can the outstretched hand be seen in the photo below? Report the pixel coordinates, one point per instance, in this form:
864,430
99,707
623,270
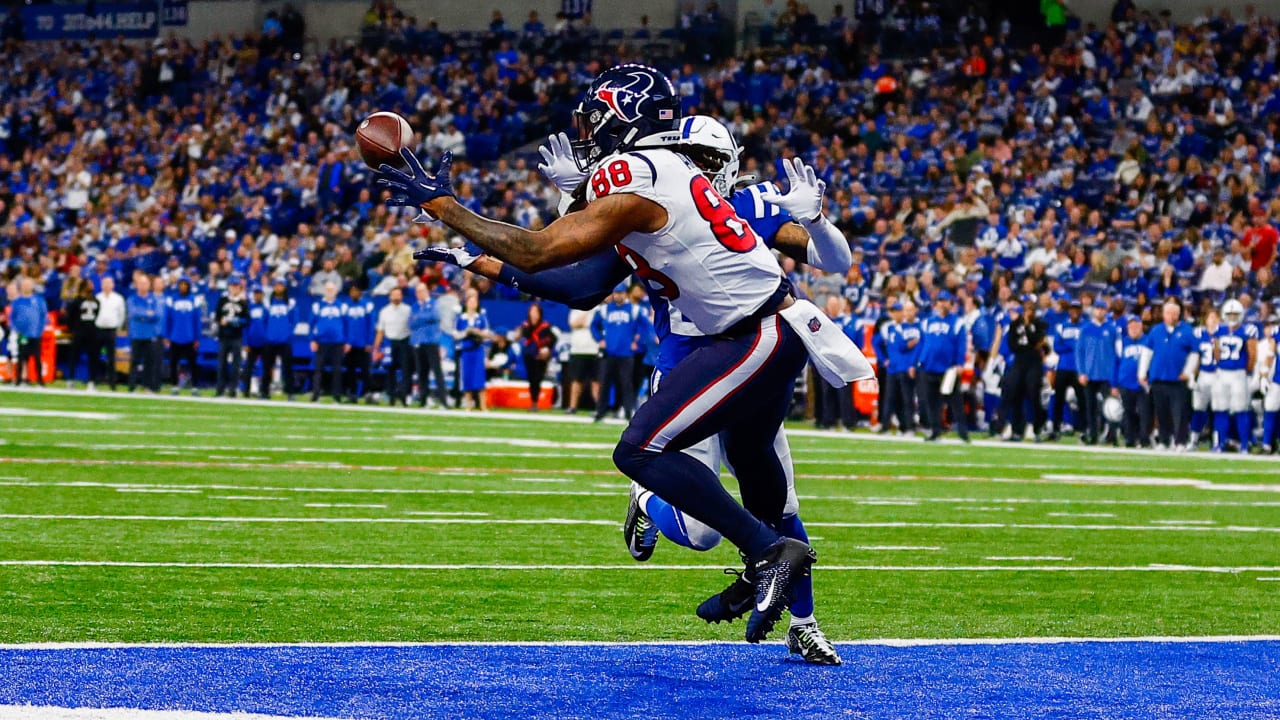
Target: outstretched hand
560,168
804,191
453,256
416,187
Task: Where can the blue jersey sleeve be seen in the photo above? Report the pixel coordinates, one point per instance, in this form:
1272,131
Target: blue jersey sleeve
581,285
765,218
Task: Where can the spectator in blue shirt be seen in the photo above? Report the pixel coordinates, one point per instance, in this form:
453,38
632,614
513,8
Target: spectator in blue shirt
146,323
361,321
902,347
282,318
943,343
28,316
328,340
616,328
255,343
183,324
1065,334
1096,364
424,338
1173,363
1133,356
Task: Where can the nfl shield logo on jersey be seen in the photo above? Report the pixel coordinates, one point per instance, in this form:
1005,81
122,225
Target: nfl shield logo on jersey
814,324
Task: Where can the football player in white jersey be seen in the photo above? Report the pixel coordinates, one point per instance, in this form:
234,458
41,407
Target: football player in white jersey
687,242
1237,349
807,236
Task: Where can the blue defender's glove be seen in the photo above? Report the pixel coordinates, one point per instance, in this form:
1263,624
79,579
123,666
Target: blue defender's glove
416,187
461,257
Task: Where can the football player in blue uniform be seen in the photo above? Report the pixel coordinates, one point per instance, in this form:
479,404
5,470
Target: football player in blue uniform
1237,348
793,223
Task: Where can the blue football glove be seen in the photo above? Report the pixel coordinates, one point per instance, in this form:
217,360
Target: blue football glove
416,187
454,256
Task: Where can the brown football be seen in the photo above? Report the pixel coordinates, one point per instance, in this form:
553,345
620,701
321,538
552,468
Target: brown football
380,137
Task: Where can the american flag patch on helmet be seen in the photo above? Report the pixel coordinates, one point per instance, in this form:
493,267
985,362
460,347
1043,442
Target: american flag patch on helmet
666,115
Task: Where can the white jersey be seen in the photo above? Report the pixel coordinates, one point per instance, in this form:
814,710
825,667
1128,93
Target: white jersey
706,261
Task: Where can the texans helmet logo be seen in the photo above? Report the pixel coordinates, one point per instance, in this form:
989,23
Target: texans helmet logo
625,98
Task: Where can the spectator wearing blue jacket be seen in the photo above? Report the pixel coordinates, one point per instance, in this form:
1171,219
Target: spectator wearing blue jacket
1173,362
328,340
902,346
361,328
616,328
28,315
282,318
146,327
424,338
943,343
1065,336
1132,357
183,324
255,343
1096,363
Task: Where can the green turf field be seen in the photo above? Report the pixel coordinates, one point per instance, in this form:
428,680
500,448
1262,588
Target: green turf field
294,522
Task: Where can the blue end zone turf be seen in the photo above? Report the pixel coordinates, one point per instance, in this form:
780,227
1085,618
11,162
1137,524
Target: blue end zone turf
1117,680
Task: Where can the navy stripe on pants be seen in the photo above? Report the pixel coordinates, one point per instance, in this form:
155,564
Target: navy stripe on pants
738,386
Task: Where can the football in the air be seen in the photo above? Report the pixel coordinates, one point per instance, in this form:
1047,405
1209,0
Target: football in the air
380,137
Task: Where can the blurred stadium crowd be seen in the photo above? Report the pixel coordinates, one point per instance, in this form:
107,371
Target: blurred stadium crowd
1018,174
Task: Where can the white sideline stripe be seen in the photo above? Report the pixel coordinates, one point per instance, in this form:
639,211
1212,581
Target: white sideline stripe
345,505
875,642
645,567
613,523
621,490
1081,515
245,497
339,451
159,491
397,414
541,479
1157,482
514,442
1184,522
321,520
891,548
32,412
49,712
364,491
1274,579
462,513
1028,558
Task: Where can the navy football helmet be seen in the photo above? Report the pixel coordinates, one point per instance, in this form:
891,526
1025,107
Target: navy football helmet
625,105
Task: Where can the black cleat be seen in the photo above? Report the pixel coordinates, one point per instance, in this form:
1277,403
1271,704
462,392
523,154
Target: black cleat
810,643
731,603
776,573
638,531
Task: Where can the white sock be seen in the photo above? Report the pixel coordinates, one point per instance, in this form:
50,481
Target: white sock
797,621
643,500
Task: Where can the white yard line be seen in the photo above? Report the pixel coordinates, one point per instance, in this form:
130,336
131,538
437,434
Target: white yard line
895,548
10,411
159,491
1081,515
370,506
1146,480
613,523
247,498
541,479
1184,522
460,513
647,567
1028,558
621,489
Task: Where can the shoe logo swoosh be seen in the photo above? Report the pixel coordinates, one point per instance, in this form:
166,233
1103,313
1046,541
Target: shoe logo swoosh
735,607
763,605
